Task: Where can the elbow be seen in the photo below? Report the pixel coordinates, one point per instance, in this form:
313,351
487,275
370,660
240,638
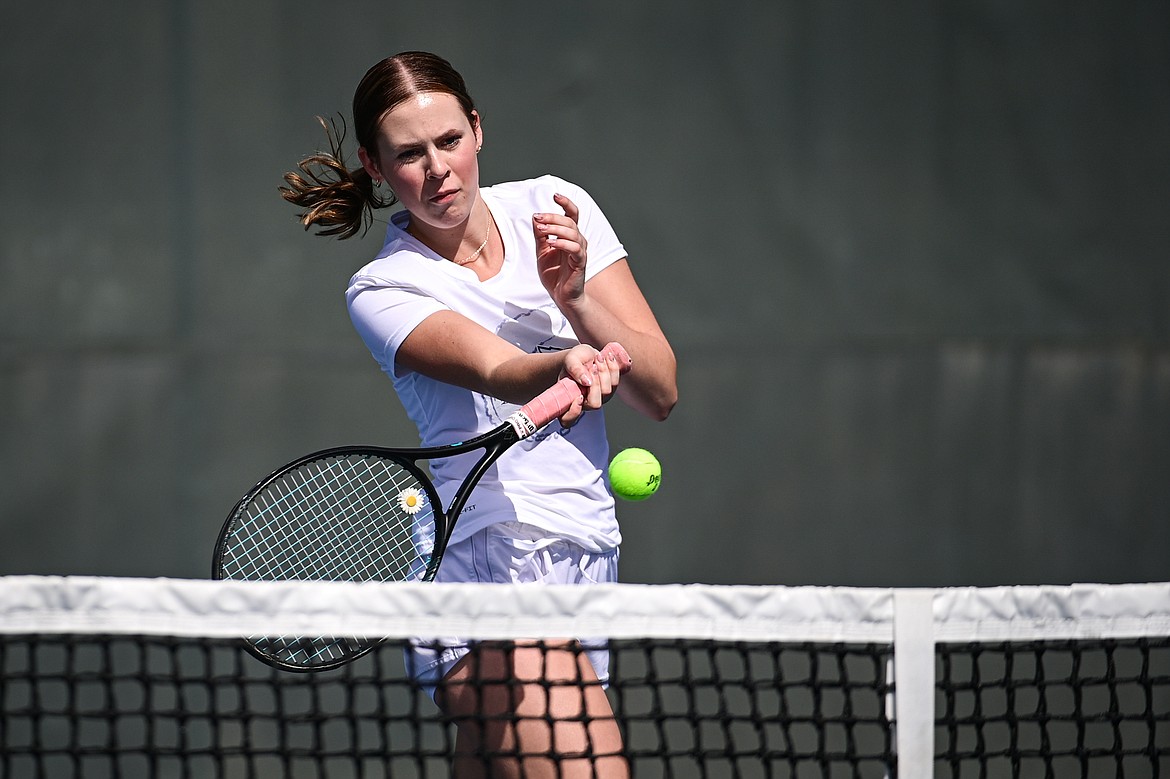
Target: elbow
659,409
656,406
655,394
661,414
663,399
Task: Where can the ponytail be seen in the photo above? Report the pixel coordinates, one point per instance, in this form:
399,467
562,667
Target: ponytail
339,200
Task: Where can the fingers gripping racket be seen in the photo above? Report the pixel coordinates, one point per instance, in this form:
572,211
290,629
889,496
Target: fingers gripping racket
360,513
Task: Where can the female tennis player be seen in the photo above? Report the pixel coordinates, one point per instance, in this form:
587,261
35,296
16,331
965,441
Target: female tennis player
480,298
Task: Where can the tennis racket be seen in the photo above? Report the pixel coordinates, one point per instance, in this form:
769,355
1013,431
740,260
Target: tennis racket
361,513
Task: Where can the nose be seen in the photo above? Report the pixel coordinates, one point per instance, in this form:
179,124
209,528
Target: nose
436,166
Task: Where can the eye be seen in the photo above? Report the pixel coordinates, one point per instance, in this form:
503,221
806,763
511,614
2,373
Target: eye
451,141
408,154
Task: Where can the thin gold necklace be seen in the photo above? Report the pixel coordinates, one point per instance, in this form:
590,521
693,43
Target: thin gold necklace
475,254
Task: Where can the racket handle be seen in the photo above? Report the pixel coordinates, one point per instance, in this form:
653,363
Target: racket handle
559,398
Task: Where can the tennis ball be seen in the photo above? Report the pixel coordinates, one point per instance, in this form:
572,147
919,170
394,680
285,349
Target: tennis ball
634,474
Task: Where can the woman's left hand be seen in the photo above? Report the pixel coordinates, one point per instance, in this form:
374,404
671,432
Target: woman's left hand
598,375
561,253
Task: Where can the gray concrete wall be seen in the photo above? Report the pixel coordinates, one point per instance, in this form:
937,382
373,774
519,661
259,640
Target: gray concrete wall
912,258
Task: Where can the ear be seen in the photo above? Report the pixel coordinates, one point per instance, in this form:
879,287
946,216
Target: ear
477,128
369,164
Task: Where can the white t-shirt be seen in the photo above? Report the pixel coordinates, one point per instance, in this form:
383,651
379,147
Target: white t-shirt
554,480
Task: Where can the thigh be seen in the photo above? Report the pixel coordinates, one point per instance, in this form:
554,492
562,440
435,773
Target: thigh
531,709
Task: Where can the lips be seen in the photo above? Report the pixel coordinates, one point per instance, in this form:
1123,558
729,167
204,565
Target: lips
445,196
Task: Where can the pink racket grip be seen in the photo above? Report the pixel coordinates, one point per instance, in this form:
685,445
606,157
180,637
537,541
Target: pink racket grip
560,397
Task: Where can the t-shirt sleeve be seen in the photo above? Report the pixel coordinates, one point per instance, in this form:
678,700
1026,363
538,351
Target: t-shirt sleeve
384,314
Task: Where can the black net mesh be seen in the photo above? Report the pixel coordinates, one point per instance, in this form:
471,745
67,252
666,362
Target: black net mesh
1054,709
150,706
129,706
741,709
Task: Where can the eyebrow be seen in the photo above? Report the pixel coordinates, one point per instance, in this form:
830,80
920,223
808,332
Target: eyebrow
416,143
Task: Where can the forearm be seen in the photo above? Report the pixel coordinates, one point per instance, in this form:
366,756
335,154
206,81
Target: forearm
522,377
452,349
609,306
651,386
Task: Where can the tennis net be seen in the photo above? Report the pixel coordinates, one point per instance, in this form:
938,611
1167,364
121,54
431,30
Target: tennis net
104,677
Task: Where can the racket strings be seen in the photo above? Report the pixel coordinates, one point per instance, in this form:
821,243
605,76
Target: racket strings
334,519
338,518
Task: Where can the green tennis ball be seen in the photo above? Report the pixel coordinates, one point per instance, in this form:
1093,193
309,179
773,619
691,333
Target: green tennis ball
634,474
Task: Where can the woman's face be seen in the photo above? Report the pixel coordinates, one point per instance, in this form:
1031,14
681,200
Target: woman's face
427,154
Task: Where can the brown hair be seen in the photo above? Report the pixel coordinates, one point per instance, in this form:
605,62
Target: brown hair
342,201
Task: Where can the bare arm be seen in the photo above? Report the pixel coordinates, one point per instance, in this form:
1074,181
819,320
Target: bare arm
610,307
613,308
451,348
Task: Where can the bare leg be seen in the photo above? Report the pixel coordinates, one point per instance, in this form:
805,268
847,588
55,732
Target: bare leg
532,712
